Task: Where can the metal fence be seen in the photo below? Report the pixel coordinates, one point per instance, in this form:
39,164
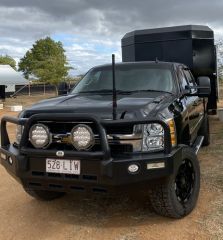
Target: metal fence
32,89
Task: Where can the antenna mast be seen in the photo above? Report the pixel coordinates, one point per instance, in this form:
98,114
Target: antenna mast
114,94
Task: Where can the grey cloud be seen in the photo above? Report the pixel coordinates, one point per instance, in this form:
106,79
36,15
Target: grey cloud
24,21
124,14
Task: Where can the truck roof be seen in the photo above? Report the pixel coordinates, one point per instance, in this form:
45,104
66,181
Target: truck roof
160,63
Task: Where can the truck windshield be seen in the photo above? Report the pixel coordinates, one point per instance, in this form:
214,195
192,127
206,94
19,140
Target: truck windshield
128,79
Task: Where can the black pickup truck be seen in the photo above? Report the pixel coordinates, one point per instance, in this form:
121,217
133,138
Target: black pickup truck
73,143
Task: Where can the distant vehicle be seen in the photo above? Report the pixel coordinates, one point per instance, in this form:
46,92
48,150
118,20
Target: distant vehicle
80,142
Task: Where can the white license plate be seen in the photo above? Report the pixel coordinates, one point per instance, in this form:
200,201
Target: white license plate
63,166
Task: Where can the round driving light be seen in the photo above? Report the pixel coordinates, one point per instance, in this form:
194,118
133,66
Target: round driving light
39,135
82,137
133,168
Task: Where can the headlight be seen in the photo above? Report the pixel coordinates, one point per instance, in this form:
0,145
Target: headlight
153,137
82,137
154,129
39,135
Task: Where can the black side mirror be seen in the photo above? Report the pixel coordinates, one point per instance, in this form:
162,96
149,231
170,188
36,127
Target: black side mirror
204,86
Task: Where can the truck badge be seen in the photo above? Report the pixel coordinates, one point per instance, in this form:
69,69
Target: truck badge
60,153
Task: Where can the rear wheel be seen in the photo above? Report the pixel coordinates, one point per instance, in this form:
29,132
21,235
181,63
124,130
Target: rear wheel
177,195
43,194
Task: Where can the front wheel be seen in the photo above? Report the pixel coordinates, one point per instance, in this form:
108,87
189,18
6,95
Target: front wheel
177,195
43,195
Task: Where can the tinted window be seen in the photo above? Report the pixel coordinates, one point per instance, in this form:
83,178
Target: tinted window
128,78
183,79
190,79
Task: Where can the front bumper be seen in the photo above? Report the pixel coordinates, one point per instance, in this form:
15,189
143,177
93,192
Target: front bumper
95,174
99,170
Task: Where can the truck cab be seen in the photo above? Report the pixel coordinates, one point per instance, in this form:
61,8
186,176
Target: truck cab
73,143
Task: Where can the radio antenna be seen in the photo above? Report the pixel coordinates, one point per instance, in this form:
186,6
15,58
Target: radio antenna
114,94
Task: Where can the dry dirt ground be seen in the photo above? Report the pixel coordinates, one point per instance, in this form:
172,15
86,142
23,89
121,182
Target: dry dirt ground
79,217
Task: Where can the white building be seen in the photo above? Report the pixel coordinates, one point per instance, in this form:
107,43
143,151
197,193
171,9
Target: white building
10,78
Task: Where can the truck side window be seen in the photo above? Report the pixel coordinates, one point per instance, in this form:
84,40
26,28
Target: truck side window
183,79
190,79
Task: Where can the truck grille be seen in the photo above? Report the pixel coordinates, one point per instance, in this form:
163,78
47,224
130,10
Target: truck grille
59,129
64,127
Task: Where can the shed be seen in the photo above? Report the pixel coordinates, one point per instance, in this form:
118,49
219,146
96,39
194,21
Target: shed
10,78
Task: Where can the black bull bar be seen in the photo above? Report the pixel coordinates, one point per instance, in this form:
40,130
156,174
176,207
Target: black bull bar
100,124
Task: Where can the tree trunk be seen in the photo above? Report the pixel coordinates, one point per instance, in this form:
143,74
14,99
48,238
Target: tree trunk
56,90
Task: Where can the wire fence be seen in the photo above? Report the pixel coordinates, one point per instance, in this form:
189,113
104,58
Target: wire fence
33,89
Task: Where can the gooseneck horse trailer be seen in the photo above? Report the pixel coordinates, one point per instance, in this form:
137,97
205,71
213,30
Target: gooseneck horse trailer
192,45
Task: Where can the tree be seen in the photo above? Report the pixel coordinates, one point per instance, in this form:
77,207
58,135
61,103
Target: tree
47,61
7,60
220,58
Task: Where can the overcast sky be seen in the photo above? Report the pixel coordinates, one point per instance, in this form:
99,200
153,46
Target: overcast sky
91,29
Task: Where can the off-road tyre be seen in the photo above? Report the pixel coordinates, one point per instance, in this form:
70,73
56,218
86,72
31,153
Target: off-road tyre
165,197
205,131
44,195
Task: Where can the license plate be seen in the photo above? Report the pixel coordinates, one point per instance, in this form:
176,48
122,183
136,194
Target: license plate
63,166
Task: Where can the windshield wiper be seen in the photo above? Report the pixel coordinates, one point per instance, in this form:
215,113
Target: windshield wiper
107,91
150,90
97,91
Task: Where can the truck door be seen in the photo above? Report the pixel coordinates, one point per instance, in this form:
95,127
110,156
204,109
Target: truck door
196,114
186,101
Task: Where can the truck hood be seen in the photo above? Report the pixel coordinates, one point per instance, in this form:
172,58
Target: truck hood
131,105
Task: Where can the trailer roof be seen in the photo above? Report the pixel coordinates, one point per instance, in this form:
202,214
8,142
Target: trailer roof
170,29
168,33
9,76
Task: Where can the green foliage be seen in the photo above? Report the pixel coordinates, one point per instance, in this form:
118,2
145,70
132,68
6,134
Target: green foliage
7,60
220,58
46,60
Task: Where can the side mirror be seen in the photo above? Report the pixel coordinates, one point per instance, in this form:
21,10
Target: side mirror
204,86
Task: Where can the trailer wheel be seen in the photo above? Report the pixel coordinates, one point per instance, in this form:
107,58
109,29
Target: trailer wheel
176,196
43,195
205,131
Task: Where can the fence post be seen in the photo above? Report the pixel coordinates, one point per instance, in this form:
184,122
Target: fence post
29,89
